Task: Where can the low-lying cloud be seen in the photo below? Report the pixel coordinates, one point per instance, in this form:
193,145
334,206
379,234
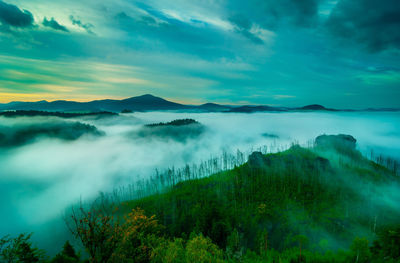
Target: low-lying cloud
41,178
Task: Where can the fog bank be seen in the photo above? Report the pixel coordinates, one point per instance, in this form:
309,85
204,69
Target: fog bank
42,177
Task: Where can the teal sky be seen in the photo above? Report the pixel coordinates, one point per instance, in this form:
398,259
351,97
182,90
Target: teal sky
339,53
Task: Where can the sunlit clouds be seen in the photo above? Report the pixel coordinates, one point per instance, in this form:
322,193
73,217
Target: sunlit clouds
288,53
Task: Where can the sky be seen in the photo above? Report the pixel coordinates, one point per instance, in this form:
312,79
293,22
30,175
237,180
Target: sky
338,53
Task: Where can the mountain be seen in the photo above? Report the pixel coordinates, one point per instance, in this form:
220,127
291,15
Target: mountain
141,103
251,108
315,107
214,107
149,102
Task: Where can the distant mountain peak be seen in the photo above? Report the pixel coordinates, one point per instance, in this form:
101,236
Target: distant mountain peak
313,107
145,97
149,102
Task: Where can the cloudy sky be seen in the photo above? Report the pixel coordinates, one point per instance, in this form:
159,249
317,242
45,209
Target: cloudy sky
339,53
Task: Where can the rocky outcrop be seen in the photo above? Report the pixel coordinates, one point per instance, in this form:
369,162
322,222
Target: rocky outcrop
336,141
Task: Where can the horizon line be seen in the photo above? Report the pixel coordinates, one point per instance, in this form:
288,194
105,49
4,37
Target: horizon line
187,103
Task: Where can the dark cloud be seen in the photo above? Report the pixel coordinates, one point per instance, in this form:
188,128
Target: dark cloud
77,22
271,13
240,21
372,23
206,41
54,24
243,26
11,15
123,18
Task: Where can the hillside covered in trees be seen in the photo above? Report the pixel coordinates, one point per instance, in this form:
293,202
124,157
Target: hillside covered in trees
179,130
324,203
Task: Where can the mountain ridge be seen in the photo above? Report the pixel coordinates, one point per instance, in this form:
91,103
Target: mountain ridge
148,102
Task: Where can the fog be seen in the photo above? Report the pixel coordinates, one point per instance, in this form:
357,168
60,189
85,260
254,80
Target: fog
42,176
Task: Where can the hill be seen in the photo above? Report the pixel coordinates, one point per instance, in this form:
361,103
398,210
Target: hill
19,134
149,102
178,130
213,107
328,195
317,107
141,103
326,203
180,122
252,108
313,107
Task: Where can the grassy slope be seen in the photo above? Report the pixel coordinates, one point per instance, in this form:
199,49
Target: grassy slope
328,194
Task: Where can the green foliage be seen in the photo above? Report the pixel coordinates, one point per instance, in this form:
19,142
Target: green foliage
97,229
201,249
170,252
140,235
299,200
300,205
360,250
234,250
180,122
180,130
19,249
388,244
23,133
67,255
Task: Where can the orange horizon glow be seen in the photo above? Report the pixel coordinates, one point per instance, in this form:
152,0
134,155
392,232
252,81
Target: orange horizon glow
27,97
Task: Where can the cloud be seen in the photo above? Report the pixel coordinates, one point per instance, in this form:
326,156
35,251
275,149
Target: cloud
243,26
54,24
11,15
280,97
63,171
271,14
77,22
374,24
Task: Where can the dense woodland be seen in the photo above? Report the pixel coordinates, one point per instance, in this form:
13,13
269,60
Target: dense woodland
180,122
323,203
19,135
177,130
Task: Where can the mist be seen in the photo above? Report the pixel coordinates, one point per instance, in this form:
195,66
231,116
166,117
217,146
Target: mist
45,173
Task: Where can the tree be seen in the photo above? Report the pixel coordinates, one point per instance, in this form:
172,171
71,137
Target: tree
169,252
360,250
67,255
388,244
233,249
19,249
97,229
200,249
302,240
140,235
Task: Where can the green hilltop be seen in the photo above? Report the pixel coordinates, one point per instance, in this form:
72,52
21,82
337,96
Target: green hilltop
328,194
324,203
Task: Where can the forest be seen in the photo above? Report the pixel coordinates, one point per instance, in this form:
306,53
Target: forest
322,203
